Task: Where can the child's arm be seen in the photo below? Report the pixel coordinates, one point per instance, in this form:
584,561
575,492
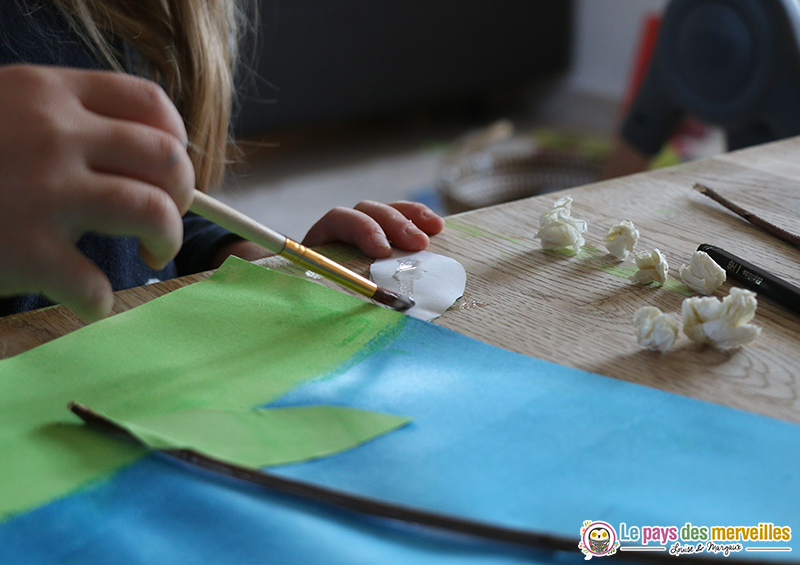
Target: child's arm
369,226
85,151
90,151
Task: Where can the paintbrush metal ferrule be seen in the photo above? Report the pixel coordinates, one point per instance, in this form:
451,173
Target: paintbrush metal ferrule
321,265
781,292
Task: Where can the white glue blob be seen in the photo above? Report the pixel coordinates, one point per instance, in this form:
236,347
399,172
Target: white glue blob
434,281
408,271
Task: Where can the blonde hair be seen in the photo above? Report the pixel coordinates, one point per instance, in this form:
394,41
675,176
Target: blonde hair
190,47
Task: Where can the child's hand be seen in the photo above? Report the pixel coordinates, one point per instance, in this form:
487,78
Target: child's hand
370,226
85,151
375,227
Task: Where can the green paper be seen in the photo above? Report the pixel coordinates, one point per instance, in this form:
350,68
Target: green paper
239,339
263,437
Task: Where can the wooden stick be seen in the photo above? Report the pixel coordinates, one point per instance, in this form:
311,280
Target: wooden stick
386,509
769,227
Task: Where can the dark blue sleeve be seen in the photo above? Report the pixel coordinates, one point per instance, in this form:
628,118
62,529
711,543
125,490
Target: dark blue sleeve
201,240
37,34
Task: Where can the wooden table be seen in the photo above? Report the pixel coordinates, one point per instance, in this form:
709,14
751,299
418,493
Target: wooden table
578,310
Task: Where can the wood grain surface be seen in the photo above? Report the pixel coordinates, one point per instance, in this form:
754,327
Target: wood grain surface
577,310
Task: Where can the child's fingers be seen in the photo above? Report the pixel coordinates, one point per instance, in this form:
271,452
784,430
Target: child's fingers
350,226
125,97
423,217
371,226
400,230
115,205
143,153
69,278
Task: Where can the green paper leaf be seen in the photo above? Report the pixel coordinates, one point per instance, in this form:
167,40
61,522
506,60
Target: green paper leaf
241,338
263,436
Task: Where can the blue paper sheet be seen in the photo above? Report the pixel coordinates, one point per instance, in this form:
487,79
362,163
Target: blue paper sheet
495,436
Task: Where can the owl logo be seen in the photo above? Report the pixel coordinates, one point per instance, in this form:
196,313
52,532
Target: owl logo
598,539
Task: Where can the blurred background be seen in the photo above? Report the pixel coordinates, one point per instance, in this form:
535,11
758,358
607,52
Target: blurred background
455,103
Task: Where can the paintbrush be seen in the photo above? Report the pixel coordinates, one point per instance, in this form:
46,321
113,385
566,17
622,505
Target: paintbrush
248,228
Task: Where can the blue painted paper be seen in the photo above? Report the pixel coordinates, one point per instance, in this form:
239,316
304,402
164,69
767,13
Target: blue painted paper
495,436
527,443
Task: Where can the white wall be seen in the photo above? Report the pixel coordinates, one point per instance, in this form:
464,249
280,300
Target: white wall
607,33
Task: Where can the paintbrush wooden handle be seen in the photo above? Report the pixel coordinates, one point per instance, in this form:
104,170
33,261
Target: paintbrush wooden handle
238,223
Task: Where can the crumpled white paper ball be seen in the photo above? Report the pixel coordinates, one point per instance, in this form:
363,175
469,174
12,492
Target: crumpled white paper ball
558,230
703,274
654,329
723,324
653,267
621,239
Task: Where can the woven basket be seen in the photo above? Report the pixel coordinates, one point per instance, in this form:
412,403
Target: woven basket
484,179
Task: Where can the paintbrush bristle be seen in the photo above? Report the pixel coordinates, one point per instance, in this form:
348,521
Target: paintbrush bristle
393,300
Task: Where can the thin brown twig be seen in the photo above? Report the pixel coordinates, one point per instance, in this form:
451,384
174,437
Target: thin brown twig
749,216
393,511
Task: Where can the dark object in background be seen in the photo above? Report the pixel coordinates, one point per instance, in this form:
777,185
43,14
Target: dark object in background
492,166
485,179
731,63
321,60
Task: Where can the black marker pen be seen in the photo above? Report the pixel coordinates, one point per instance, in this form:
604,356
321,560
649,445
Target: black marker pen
766,284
